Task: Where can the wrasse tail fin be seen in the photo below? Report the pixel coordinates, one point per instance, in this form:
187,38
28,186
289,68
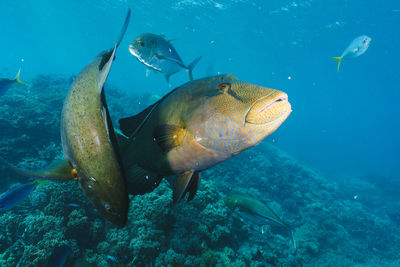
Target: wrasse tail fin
17,80
59,171
339,60
191,67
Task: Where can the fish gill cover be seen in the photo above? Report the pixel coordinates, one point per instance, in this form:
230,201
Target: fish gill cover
332,168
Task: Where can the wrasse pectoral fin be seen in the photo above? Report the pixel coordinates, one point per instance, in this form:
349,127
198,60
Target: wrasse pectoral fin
187,182
141,181
193,185
168,136
60,171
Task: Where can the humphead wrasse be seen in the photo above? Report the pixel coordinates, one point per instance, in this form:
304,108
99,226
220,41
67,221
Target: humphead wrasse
89,143
196,126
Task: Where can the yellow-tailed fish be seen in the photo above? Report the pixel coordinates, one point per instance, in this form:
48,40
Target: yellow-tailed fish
355,49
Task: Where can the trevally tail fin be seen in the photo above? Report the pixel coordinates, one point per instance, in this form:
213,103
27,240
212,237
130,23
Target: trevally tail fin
191,67
16,79
339,60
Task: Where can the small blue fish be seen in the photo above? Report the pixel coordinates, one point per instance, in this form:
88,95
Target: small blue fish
112,258
59,256
355,49
157,53
73,205
16,195
6,83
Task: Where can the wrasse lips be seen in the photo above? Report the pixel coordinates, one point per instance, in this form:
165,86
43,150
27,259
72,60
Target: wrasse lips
269,109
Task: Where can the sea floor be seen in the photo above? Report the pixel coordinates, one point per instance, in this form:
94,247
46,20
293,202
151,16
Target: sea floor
351,221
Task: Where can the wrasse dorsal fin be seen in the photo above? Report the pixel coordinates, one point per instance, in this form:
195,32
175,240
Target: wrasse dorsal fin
169,136
131,124
187,182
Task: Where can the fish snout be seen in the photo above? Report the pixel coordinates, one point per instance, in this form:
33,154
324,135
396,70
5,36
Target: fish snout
133,49
274,108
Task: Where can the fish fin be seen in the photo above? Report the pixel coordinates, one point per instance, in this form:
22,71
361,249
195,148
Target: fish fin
17,80
339,60
110,128
60,171
193,185
122,139
130,125
171,40
147,73
108,57
167,76
187,182
124,28
40,182
140,181
168,136
181,184
191,67
177,62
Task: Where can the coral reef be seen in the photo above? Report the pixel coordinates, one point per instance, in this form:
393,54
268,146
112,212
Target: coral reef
336,223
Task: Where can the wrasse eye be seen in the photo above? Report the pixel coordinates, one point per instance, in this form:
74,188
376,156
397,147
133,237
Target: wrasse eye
224,87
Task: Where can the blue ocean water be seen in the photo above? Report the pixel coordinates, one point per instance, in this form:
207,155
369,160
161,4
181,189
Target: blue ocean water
344,125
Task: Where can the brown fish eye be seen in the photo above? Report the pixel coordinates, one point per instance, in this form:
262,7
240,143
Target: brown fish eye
224,86
141,43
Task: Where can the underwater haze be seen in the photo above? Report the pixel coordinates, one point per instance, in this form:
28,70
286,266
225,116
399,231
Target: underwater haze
331,170
342,122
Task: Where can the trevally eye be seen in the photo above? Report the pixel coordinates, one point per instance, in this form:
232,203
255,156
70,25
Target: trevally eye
141,43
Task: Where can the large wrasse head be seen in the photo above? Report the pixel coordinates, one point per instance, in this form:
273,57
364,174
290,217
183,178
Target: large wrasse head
235,115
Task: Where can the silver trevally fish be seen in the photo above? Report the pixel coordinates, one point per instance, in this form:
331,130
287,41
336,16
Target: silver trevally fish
157,53
355,49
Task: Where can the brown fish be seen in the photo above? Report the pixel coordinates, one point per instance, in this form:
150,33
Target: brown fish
89,143
196,126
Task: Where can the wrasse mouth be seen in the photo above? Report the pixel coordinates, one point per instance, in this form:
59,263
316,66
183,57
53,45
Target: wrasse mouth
270,109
